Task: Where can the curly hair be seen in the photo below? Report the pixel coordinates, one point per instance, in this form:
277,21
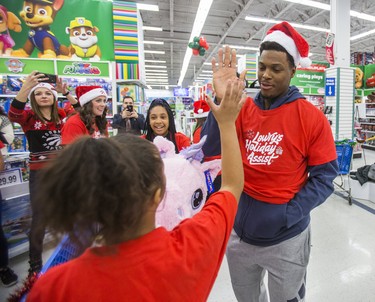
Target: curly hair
87,116
270,45
172,127
105,192
55,118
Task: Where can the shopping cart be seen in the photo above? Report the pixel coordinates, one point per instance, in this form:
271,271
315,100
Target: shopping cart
344,151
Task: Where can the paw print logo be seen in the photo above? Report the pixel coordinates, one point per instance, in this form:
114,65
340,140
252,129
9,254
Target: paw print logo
279,151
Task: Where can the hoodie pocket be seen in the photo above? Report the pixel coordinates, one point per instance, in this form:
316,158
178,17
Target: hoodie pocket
264,220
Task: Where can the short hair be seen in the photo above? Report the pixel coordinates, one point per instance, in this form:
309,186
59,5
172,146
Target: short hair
127,97
172,126
100,184
271,45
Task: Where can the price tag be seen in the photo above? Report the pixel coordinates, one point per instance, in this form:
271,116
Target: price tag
10,177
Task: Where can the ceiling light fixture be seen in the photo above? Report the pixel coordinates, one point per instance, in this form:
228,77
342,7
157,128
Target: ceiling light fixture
296,25
155,61
207,71
152,28
149,87
151,7
155,66
153,42
200,19
155,51
328,7
370,32
244,47
154,70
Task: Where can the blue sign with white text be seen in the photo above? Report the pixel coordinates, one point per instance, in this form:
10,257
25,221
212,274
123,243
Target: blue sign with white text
330,87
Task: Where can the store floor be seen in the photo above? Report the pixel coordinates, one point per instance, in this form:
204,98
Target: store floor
342,263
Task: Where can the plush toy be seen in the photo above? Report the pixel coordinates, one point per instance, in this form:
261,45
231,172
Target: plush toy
8,21
187,182
370,82
358,77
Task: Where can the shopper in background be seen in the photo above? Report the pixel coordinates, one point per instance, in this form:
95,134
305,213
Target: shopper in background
201,110
42,127
135,260
160,121
289,159
128,121
7,276
91,117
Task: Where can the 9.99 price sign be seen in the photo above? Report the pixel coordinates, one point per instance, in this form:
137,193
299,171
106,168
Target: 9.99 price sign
10,177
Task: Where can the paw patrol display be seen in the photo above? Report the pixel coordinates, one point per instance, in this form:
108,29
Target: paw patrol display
8,21
83,39
38,16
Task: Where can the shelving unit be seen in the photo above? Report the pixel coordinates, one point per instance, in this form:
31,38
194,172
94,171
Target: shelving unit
368,123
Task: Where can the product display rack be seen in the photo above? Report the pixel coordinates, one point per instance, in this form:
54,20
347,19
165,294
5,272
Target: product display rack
368,123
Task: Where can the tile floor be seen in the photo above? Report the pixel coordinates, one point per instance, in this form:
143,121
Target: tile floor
342,263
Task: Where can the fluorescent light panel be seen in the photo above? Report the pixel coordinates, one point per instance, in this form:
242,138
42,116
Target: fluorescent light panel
152,28
207,71
155,61
154,42
150,7
244,47
155,66
370,32
296,25
154,51
163,71
200,19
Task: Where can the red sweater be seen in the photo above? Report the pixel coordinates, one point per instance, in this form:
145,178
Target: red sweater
180,265
44,139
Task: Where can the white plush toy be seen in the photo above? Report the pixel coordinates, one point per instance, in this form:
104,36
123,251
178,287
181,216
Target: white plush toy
187,179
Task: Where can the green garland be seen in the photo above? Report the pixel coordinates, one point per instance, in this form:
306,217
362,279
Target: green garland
346,141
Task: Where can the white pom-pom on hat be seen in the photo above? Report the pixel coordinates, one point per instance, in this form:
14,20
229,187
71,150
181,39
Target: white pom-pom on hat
201,108
284,34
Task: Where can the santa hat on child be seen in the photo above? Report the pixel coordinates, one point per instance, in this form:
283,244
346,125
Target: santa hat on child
86,94
285,35
201,109
44,85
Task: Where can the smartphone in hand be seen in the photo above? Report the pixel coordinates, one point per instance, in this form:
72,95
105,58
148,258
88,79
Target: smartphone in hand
51,78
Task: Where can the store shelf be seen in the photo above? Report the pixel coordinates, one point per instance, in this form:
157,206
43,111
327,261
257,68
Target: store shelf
369,147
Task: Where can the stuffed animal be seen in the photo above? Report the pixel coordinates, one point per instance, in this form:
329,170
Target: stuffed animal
187,180
358,78
38,16
8,21
83,39
370,82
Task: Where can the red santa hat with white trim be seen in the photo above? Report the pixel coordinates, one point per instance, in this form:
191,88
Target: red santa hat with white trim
201,109
46,86
284,34
86,94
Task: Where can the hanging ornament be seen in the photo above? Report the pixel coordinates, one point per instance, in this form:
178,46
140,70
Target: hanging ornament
199,46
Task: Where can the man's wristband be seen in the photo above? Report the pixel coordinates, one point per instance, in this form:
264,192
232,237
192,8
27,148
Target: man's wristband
65,94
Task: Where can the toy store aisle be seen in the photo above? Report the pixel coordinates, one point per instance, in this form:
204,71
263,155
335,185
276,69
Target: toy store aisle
342,265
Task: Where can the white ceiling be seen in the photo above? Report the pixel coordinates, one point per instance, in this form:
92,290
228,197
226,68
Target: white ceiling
226,24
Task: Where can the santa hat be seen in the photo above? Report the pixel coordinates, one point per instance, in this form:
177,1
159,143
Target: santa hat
86,94
201,109
285,35
44,85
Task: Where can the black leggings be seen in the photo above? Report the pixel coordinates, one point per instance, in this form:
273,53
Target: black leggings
4,258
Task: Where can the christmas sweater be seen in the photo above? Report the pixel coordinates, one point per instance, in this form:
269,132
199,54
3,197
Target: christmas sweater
44,139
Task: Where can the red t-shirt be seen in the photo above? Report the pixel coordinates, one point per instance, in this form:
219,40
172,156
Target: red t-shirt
182,141
180,265
74,128
277,146
197,135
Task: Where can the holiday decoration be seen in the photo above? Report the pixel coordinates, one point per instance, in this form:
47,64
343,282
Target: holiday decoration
199,46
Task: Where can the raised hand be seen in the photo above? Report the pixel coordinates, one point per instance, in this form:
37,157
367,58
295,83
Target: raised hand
233,99
225,70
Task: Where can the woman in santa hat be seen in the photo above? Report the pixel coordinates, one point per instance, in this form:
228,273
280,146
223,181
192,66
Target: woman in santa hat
91,119
42,127
201,110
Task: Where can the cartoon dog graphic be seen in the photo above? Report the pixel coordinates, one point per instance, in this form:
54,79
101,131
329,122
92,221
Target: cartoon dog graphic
38,16
83,39
8,21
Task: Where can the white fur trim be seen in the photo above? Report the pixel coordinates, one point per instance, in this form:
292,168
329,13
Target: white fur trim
44,85
305,62
285,41
92,94
198,115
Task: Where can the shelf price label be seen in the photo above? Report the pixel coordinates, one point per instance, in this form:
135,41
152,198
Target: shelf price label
10,177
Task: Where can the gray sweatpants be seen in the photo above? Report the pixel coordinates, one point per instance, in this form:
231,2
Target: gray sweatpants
286,264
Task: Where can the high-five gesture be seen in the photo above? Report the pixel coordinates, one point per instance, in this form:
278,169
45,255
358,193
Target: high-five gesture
226,69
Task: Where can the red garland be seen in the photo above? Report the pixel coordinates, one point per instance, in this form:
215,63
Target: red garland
20,292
